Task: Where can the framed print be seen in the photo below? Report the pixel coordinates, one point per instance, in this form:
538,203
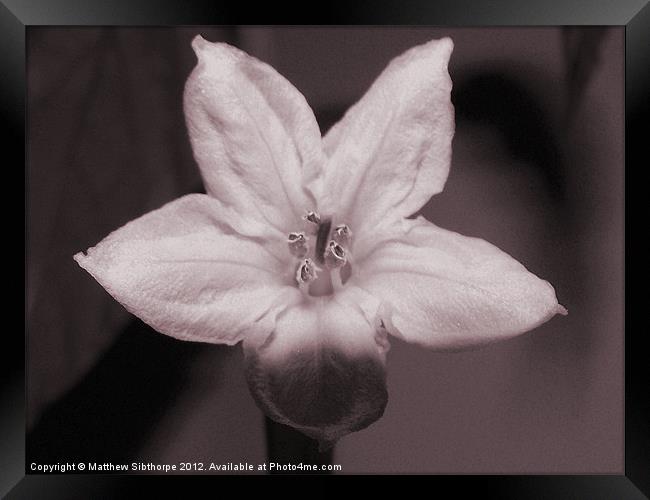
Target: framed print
383,244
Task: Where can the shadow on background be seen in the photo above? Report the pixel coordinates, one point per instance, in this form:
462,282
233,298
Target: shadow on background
496,99
110,413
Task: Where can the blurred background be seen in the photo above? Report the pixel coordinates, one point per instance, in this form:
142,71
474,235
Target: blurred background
537,170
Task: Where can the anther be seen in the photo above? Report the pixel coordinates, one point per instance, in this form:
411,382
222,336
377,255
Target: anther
311,222
334,255
297,243
342,234
306,272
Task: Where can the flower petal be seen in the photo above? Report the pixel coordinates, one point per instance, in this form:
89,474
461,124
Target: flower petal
252,134
392,150
450,291
185,271
322,370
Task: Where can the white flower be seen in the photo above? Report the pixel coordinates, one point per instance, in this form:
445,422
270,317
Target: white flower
302,249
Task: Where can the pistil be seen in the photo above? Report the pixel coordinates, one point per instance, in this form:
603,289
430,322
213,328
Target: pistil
321,240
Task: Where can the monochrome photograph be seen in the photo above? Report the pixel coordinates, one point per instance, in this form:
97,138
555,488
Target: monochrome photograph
335,250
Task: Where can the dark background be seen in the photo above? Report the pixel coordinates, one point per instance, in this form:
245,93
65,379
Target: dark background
537,170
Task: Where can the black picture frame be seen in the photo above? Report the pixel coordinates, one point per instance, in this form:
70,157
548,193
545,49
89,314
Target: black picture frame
16,16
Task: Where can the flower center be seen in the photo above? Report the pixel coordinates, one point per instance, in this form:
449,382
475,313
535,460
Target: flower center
324,265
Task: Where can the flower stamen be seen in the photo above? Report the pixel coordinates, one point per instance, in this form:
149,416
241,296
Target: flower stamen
335,255
330,250
342,234
311,222
297,243
306,272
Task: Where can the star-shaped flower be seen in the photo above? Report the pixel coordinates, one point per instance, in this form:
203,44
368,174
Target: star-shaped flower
302,248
